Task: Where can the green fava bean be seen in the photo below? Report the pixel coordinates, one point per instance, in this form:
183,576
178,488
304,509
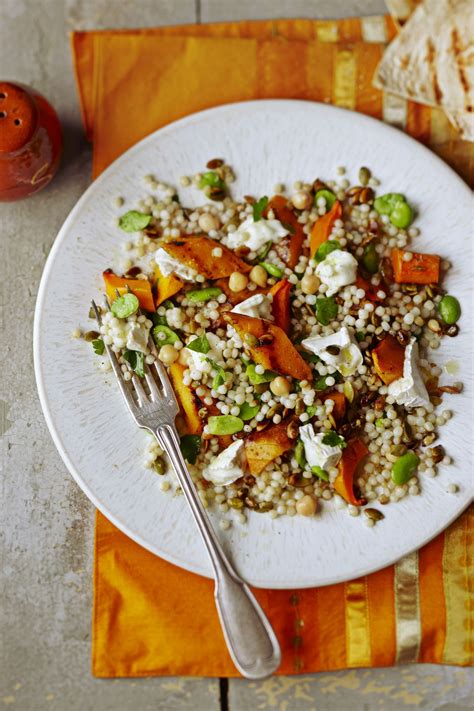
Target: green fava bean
328,195
320,473
401,215
370,259
248,412
199,295
164,336
449,309
326,248
385,203
224,424
404,468
272,269
299,454
125,306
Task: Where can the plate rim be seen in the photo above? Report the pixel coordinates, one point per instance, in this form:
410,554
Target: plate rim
42,289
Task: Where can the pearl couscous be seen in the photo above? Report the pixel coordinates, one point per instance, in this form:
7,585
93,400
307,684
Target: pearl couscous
297,333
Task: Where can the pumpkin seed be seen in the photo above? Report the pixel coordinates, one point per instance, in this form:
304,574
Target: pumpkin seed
159,466
91,336
235,503
250,340
364,175
437,453
383,499
215,163
398,449
292,429
348,390
374,514
264,506
300,407
429,439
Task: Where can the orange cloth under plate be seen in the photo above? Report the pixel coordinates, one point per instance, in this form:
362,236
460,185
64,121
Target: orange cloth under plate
151,618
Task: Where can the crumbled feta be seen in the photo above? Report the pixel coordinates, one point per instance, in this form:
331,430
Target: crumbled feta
227,467
200,361
410,390
255,235
318,454
169,265
349,358
257,306
137,337
337,270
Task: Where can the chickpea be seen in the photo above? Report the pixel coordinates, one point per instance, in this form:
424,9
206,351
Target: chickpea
237,281
280,386
258,275
307,506
168,354
184,356
310,284
208,222
301,200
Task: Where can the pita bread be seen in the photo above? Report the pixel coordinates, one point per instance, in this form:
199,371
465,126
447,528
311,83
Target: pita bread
432,60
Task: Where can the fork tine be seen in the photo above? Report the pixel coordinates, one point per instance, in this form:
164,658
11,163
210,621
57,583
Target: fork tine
114,361
139,389
151,382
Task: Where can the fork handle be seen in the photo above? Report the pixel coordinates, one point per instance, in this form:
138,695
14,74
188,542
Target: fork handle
250,638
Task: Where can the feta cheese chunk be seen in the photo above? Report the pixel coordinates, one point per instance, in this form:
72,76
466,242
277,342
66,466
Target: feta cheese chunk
169,265
337,270
257,306
227,467
347,360
410,390
137,337
199,361
255,235
318,454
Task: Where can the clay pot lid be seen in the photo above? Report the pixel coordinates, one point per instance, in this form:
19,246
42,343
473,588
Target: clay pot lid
18,117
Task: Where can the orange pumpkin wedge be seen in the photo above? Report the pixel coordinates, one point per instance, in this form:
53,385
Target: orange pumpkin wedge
285,214
323,226
281,308
166,286
420,269
269,346
197,253
261,448
388,359
140,287
352,456
339,409
187,399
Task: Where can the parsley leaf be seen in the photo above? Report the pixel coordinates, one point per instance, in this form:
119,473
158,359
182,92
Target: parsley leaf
134,221
220,376
136,359
259,207
326,309
98,346
332,439
212,180
190,446
200,345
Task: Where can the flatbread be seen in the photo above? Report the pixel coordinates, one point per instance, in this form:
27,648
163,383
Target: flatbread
401,10
432,60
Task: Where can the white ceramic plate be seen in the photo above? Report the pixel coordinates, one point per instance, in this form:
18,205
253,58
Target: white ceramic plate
267,142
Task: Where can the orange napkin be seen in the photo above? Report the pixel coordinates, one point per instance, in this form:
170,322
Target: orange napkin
151,618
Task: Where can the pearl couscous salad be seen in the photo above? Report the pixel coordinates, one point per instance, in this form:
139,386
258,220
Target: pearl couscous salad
296,331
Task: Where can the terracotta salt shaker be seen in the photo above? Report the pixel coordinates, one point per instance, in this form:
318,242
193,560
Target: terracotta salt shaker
30,141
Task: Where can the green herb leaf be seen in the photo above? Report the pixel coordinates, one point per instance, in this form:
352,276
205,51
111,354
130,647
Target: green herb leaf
272,269
190,446
156,318
259,207
326,309
289,228
360,335
320,472
309,357
134,221
311,410
200,344
125,306
220,376
331,245
98,346
248,412
136,359
320,383
212,180
380,423
328,195
164,336
332,439
258,378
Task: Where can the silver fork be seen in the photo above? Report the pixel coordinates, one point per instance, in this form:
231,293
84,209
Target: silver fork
250,639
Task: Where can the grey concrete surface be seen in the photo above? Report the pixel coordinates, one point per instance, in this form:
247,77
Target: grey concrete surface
45,520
